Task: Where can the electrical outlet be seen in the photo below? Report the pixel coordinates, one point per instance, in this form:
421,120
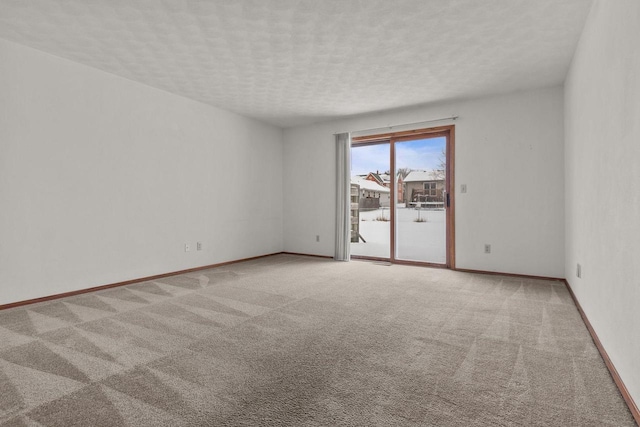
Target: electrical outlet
317,237
187,248
463,188
199,246
487,248
578,271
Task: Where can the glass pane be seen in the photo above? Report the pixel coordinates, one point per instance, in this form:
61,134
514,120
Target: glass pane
420,211
370,201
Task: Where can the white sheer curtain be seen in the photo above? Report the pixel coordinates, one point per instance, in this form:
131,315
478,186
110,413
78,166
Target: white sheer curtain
343,194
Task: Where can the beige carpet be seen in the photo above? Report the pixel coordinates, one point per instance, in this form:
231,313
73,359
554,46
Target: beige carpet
300,341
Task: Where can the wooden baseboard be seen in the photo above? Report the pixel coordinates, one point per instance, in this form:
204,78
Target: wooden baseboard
612,369
128,282
520,276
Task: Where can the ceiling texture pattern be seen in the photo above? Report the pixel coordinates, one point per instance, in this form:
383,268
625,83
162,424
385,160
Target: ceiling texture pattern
293,62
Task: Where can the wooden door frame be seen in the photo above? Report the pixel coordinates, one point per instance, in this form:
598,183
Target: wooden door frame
391,138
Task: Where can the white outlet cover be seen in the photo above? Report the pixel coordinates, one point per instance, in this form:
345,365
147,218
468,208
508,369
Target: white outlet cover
579,271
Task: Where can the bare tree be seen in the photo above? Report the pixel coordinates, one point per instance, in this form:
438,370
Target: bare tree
403,172
442,165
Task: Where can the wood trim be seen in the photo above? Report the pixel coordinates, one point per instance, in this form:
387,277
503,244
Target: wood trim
498,273
401,134
127,282
451,191
607,361
311,255
398,262
419,264
421,135
365,143
393,200
369,258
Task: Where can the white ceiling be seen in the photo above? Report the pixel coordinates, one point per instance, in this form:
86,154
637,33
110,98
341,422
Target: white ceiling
292,62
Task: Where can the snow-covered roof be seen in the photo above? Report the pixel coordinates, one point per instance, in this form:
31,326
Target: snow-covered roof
420,176
365,184
380,177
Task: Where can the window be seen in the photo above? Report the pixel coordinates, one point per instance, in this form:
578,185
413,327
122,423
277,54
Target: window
430,188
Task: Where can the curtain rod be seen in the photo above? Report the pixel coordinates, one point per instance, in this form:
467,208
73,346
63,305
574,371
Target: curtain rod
402,125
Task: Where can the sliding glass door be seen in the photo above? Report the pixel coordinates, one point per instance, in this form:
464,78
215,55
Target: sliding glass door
420,209
371,201
401,206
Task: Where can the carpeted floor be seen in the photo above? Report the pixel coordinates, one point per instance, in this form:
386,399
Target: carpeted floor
289,340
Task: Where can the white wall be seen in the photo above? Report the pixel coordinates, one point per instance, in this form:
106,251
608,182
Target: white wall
602,114
509,152
103,179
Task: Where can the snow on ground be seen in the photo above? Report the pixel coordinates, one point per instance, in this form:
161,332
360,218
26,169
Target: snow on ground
415,241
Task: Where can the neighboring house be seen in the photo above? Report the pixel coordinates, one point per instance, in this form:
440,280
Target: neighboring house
372,194
385,180
424,186
377,178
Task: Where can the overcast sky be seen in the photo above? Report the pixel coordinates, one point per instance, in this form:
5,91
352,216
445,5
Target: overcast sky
422,154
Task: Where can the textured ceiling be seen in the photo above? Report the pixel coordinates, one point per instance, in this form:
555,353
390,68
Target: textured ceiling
293,62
